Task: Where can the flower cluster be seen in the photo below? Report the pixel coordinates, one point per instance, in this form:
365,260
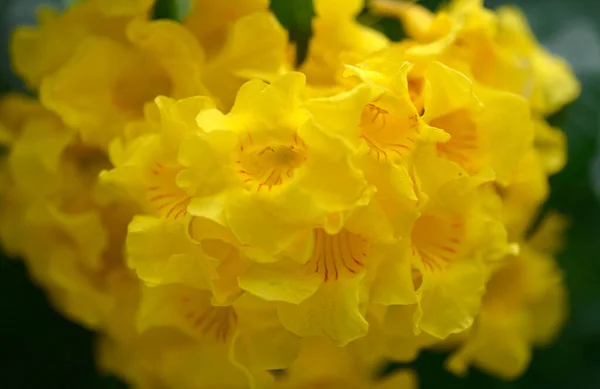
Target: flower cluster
225,218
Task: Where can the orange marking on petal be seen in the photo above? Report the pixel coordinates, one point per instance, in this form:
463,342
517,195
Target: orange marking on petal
318,251
266,181
359,263
448,249
397,152
199,321
179,203
398,145
335,254
377,149
160,208
163,196
325,259
333,259
183,211
339,240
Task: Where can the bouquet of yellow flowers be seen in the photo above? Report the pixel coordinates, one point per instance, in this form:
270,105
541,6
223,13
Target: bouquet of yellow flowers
227,218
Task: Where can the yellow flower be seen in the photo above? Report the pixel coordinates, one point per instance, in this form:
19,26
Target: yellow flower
398,340
524,306
171,246
336,36
165,357
442,257
494,48
256,47
17,109
455,243
211,21
5,137
38,52
553,84
489,130
390,134
106,83
528,187
307,251
326,291
218,217
527,191
146,165
219,345
322,365
550,145
278,179
278,173
418,21
36,154
52,199
161,336
37,165
483,131
98,67
162,253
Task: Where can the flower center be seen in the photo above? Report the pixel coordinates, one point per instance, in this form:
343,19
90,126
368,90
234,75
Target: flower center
139,86
437,240
339,255
215,323
271,162
388,136
165,196
464,144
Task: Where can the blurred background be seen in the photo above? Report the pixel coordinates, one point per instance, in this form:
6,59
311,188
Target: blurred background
39,349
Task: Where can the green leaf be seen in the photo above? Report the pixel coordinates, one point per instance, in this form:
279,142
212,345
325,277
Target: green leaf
296,16
171,9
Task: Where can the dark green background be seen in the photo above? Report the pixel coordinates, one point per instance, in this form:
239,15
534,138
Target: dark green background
40,349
